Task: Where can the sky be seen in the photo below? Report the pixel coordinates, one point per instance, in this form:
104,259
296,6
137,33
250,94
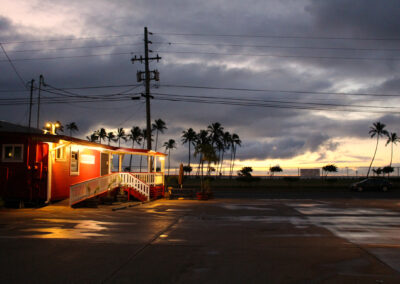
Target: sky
300,81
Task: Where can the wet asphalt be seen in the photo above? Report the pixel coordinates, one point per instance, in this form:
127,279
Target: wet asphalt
224,240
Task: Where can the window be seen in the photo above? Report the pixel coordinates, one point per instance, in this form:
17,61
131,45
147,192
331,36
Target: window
74,162
12,153
60,153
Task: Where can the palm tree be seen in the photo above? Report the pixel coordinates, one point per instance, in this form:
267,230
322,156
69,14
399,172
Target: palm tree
60,127
120,135
378,130
216,132
207,154
226,141
110,137
102,134
393,139
93,137
189,136
235,142
170,144
72,127
135,136
201,139
158,126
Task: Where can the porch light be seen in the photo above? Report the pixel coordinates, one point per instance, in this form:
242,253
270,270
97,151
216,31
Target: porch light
162,158
51,128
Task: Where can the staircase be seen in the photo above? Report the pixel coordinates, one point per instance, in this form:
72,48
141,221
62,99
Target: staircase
97,186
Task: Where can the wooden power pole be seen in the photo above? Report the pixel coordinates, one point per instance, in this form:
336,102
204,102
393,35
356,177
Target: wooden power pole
147,78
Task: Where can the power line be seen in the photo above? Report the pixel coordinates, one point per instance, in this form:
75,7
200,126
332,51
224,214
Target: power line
277,91
281,55
267,105
275,101
14,68
280,46
75,47
72,56
280,36
220,88
209,99
70,39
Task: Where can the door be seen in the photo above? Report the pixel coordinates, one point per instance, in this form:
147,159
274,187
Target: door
105,164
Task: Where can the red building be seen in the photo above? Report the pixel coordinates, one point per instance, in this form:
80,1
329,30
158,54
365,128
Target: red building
37,167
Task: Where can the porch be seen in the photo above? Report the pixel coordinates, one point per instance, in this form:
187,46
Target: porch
142,186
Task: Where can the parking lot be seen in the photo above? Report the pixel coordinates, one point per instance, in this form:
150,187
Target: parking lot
248,240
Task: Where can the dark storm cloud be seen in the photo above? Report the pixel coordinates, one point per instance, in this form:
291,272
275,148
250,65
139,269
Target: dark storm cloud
289,131
289,147
357,17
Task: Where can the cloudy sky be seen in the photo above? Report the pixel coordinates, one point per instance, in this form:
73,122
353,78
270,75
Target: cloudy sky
300,81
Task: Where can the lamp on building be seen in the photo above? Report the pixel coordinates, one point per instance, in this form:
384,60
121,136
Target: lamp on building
51,128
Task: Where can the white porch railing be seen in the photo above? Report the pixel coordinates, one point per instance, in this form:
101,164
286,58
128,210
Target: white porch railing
90,188
128,179
152,179
84,190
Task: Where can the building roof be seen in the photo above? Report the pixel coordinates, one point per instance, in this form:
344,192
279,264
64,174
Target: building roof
16,128
8,129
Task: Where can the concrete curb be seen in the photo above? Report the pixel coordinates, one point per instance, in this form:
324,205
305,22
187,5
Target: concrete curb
128,205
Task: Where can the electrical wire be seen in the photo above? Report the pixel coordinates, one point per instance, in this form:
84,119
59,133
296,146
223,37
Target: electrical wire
13,67
268,105
71,39
275,101
279,46
72,56
277,91
280,55
279,36
76,47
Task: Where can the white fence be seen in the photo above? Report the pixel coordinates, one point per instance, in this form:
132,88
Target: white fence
90,188
152,179
128,179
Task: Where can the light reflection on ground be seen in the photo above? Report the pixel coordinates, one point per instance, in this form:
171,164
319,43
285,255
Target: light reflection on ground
82,229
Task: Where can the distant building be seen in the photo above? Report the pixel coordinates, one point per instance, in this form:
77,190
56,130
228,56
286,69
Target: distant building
310,173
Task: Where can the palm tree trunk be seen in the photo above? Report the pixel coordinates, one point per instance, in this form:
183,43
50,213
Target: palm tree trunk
222,162
189,155
198,168
391,157
130,159
234,157
140,168
373,158
231,165
169,159
155,147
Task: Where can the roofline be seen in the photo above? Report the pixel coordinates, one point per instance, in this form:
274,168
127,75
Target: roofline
56,139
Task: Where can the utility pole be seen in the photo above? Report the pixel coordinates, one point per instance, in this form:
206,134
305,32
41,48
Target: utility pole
41,81
30,103
147,77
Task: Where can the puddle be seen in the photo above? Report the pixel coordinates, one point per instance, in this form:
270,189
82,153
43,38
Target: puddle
68,229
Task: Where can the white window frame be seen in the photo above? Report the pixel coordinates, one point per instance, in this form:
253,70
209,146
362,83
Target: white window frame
79,160
63,154
4,159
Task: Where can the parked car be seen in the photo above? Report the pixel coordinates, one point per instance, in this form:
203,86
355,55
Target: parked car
372,184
